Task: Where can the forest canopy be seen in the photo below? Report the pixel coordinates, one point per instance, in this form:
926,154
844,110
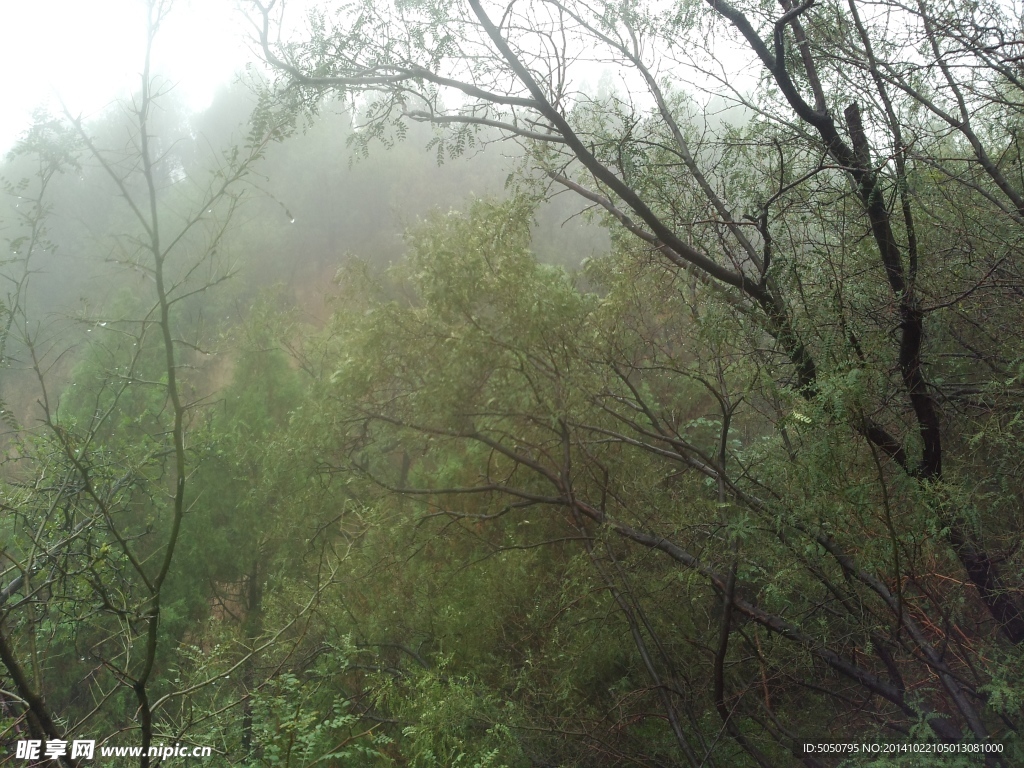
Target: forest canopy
742,476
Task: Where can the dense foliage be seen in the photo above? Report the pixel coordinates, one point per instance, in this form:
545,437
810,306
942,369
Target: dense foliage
750,478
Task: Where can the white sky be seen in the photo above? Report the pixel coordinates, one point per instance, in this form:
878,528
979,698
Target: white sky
90,52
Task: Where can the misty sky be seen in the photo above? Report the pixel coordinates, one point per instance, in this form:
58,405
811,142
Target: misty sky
91,53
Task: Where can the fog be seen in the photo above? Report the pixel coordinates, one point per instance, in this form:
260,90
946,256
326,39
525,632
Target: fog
414,404
88,55
310,206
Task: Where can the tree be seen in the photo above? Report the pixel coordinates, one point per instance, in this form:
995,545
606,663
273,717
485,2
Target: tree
853,283
96,496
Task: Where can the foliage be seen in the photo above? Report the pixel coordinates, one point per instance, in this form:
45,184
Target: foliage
806,317
749,480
